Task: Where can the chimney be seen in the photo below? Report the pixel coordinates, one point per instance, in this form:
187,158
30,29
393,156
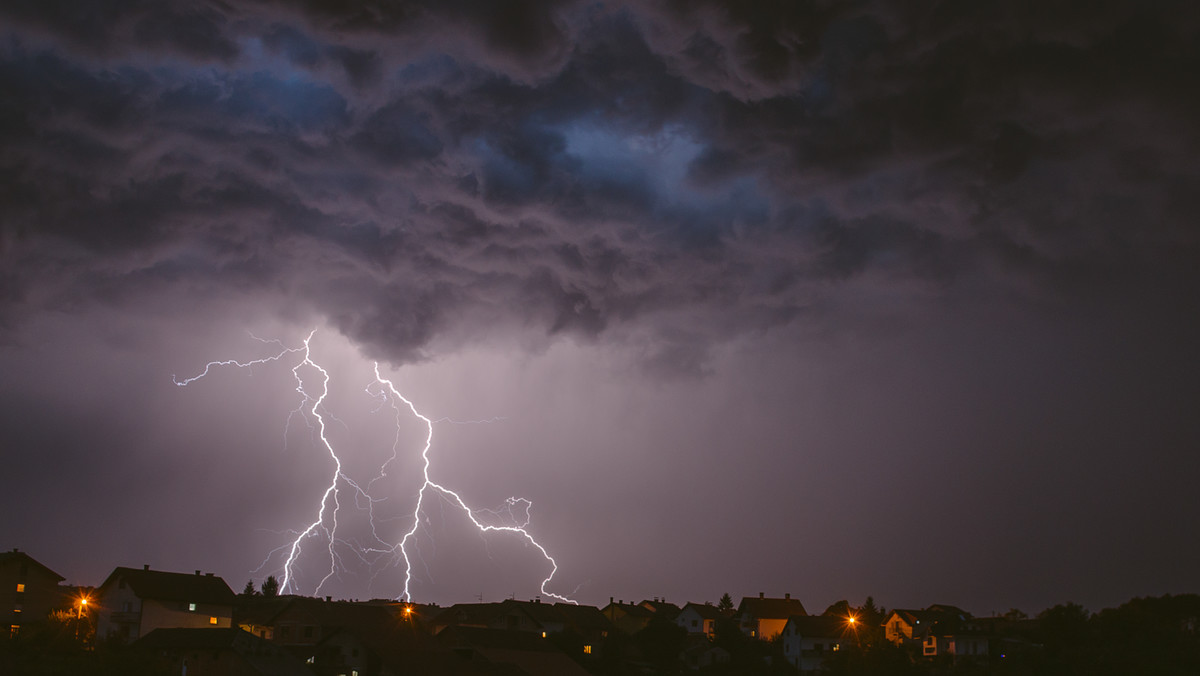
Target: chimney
787,596
145,566
197,573
760,595
328,599
610,600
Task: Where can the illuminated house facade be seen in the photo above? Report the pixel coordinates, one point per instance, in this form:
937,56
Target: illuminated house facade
699,618
903,625
28,591
764,618
134,602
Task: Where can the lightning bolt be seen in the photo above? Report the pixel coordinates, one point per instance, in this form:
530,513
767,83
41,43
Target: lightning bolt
513,515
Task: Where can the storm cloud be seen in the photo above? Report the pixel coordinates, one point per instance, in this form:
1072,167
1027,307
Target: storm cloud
675,181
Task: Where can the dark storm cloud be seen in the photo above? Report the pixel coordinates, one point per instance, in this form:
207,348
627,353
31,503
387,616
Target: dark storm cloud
696,170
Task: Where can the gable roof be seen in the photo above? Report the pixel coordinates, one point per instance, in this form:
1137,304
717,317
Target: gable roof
763,608
163,586
816,626
543,613
706,611
628,609
16,557
481,614
662,608
583,619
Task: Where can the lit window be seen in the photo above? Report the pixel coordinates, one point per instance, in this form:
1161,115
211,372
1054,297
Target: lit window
212,620
20,586
312,659
543,634
587,650
192,607
14,629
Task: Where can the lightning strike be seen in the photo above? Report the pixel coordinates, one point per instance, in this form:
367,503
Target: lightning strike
513,515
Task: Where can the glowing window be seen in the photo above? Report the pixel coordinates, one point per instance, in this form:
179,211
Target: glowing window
20,586
14,629
212,620
543,634
192,607
587,650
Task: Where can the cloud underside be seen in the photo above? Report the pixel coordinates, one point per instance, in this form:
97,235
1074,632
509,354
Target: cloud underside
674,175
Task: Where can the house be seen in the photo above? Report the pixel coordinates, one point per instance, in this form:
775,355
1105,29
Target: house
957,634
628,618
699,618
764,618
904,625
961,643
588,623
134,602
504,651
512,617
662,608
700,653
219,652
302,622
809,639
28,591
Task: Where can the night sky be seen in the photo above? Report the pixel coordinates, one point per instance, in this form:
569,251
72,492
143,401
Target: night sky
834,299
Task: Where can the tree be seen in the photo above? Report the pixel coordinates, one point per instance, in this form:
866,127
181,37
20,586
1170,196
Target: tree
270,586
249,590
1015,615
725,605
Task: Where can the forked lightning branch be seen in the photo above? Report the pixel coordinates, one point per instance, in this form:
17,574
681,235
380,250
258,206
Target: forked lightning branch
322,531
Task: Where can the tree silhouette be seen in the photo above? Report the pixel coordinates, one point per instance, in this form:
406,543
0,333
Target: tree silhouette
725,605
270,586
249,590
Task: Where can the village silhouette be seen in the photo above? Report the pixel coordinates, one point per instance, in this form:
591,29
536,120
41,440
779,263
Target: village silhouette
146,621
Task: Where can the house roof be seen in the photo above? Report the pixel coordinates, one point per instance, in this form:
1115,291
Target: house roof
583,619
163,586
480,614
816,626
763,608
662,608
17,556
629,609
543,613
704,610
529,653
329,614
948,609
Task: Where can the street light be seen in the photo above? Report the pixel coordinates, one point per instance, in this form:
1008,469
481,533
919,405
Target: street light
83,601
